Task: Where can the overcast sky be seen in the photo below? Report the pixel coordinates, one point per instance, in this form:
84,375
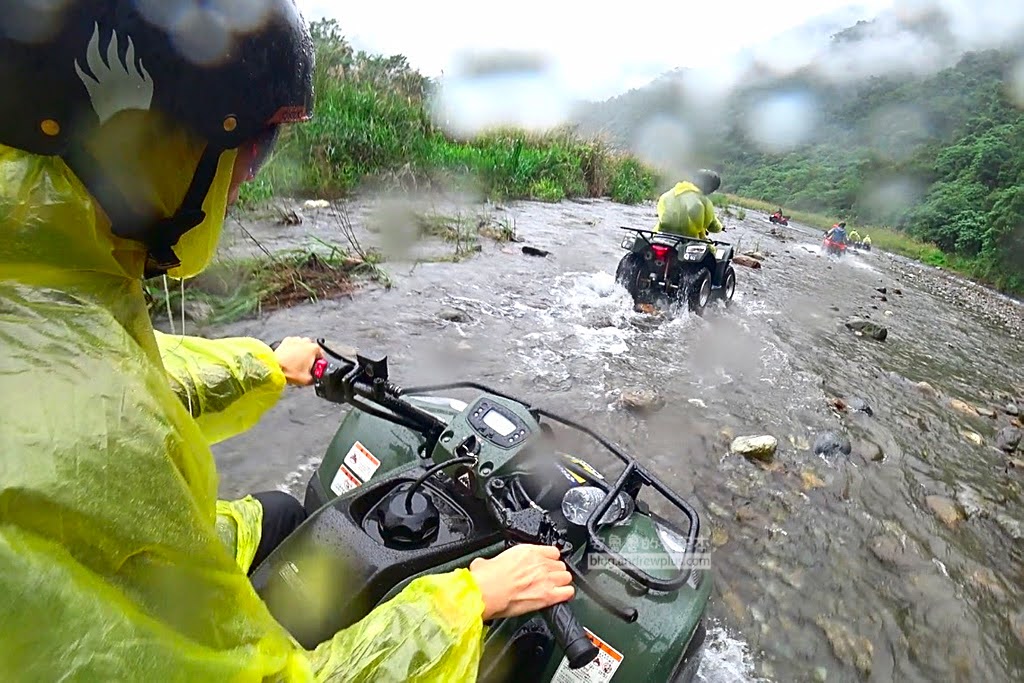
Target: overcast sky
593,52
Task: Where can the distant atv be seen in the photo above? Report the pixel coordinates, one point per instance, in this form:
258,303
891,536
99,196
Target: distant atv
666,267
833,248
778,218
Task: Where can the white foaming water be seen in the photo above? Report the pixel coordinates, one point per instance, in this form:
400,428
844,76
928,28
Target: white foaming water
726,660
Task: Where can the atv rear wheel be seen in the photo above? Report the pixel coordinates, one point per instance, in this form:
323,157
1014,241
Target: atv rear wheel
628,273
699,291
729,285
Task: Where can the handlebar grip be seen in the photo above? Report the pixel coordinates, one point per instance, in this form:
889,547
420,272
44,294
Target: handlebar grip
570,636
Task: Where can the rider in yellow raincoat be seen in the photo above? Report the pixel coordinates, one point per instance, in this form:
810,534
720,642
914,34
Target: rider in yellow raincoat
117,156
686,208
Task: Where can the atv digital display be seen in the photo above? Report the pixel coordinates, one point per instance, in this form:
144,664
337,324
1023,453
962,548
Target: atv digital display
499,423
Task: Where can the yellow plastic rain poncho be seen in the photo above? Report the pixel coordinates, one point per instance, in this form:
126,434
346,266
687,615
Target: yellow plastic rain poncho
112,564
685,210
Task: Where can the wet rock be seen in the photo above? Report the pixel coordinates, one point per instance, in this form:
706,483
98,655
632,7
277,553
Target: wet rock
1008,439
838,403
973,437
889,313
971,502
986,412
454,315
869,451
820,674
1011,409
811,480
742,260
986,579
883,299
898,292
316,204
735,605
719,537
746,513
1017,623
800,442
641,400
534,251
962,407
756,255
849,649
1011,526
945,510
1017,463
829,444
834,308
197,311
926,388
881,290
859,405
756,447
892,553
867,328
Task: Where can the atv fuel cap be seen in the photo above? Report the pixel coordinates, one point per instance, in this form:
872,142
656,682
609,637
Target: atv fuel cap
404,520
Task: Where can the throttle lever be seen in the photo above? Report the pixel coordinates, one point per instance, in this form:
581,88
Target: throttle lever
532,525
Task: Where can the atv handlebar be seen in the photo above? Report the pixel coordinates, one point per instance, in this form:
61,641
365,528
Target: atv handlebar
569,635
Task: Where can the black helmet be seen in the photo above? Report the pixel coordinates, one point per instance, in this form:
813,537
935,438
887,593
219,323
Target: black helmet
229,77
842,224
708,181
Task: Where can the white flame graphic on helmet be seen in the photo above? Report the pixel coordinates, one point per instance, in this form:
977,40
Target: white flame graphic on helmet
118,86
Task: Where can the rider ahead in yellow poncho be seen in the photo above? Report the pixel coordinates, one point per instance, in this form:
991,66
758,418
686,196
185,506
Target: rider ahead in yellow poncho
122,137
686,208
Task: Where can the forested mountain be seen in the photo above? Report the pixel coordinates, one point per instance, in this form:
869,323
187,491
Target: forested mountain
928,139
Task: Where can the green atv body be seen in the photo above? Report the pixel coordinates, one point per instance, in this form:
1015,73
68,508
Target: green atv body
370,458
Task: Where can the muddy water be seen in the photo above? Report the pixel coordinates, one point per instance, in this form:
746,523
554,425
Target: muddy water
827,568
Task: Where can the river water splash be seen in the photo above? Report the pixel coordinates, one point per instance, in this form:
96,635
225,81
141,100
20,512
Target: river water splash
826,568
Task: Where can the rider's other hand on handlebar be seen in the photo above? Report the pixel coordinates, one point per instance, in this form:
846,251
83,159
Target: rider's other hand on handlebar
522,579
296,356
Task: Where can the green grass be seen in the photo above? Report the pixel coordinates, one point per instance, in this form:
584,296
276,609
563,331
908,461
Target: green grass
372,127
232,289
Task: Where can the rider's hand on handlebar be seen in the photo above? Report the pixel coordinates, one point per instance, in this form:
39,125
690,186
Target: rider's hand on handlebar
296,356
522,579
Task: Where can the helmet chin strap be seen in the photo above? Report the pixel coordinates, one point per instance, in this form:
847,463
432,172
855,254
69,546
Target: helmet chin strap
158,234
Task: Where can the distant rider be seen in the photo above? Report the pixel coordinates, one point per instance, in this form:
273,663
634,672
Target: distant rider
686,209
867,242
854,237
838,233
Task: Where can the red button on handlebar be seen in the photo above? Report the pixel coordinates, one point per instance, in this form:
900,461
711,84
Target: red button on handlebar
319,367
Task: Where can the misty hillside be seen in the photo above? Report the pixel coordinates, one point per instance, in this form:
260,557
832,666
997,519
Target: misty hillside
887,121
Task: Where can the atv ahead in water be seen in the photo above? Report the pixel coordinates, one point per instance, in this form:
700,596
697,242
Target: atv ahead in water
413,485
778,218
665,266
832,248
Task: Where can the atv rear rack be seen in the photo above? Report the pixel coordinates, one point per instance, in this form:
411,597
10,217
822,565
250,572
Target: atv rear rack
672,236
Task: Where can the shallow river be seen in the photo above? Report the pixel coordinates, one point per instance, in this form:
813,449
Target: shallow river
836,568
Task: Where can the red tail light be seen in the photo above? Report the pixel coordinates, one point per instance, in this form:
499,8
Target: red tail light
660,251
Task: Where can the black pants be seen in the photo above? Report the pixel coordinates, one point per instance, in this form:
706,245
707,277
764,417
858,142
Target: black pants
282,515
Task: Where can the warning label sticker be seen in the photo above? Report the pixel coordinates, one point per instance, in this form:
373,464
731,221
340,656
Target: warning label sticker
600,670
344,481
361,461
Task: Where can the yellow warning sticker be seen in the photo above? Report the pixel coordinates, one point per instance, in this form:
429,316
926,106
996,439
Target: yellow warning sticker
344,481
601,670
